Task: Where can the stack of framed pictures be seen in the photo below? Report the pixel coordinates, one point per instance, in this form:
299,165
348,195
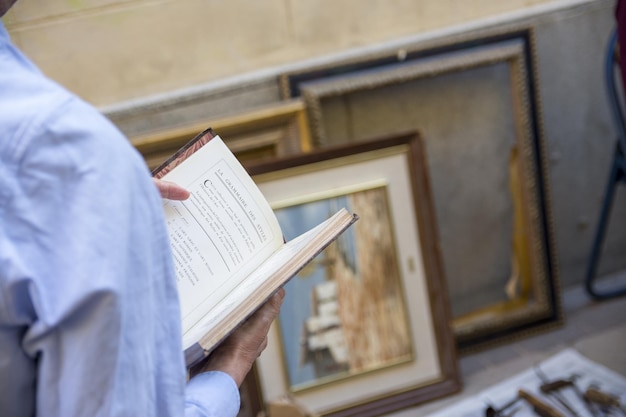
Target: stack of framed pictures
268,132
475,101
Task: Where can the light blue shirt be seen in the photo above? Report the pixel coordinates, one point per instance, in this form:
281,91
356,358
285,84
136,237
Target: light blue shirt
89,314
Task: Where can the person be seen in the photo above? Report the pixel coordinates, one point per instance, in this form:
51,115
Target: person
89,313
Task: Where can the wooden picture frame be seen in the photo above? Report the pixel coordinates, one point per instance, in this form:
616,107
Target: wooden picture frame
527,286
396,165
277,130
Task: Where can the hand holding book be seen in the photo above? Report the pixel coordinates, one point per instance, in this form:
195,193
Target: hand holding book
229,251
237,353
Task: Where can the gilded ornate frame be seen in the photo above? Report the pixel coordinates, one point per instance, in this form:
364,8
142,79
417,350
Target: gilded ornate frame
276,130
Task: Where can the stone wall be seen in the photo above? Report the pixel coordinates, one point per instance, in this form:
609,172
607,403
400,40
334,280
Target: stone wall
110,51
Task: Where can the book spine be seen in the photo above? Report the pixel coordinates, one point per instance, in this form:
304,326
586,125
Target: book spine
194,354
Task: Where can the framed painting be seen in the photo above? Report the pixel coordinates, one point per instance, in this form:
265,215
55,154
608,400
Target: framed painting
278,130
475,100
364,330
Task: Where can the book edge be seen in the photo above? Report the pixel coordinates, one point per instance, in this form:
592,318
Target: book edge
183,153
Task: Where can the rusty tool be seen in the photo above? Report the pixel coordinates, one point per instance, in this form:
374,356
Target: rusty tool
604,399
556,385
553,388
541,408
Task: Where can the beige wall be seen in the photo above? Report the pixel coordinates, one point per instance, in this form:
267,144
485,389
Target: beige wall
111,51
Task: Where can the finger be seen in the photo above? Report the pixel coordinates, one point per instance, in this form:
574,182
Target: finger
276,300
281,293
262,319
272,306
171,190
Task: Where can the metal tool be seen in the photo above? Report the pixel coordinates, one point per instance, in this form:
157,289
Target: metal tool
604,399
541,408
491,411
553,389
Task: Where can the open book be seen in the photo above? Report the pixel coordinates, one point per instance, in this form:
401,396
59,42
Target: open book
229,252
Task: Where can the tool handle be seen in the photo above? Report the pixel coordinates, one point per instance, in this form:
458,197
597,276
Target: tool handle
555,385
602,398
540,407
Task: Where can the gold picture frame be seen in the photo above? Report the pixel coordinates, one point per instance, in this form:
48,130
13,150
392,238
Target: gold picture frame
277,130
387,174
528,299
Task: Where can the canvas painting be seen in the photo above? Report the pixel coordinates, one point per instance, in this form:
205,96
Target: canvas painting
345,313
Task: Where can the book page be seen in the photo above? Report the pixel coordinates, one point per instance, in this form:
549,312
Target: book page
221,233
283,264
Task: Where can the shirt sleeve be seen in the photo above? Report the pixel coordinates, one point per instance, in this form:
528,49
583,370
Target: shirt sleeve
212,394
87,283
89,311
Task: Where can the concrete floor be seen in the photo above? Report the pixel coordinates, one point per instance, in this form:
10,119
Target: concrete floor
596,329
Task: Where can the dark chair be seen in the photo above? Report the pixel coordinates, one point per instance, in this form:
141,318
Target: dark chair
617,173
